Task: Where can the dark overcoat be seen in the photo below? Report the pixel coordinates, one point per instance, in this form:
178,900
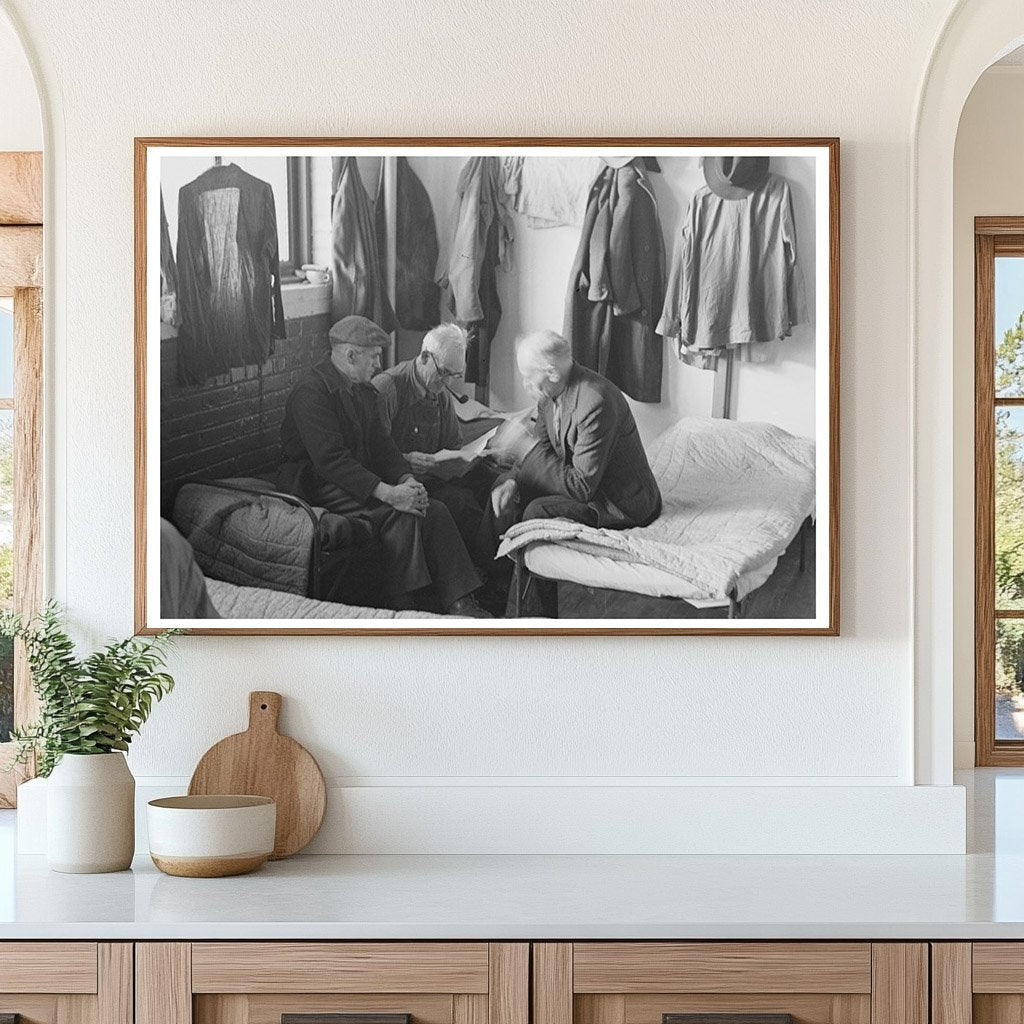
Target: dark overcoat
617,286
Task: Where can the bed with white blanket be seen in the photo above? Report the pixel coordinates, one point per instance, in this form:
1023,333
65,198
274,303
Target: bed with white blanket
735,496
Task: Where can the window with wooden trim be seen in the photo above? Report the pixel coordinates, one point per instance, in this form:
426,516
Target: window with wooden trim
21,364
999,490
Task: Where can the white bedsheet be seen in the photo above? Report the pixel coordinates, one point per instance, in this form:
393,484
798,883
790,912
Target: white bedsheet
734,496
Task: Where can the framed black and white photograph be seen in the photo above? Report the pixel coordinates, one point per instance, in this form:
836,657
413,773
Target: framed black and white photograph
404,386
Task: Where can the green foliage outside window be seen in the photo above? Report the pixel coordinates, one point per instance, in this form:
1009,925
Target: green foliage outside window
1009,510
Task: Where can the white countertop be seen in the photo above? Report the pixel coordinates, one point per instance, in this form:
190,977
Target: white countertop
517,897
977,896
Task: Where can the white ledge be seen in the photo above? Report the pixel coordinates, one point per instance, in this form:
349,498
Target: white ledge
543,898
300,298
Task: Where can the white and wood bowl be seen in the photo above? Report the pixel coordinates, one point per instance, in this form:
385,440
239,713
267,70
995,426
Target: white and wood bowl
211,836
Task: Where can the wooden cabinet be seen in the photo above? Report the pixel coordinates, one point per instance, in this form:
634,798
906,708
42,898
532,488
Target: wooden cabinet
978,983
752,982
263,982
512,983
66,982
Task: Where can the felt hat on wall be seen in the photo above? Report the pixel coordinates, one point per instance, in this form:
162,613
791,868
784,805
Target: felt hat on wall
735,177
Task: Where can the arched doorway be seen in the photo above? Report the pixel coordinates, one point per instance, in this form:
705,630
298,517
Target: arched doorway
976,34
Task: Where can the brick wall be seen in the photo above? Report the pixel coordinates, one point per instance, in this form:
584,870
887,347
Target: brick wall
231,426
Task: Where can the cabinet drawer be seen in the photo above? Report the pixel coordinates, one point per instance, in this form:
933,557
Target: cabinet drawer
634,967
730,983
65,967
340,967
332,983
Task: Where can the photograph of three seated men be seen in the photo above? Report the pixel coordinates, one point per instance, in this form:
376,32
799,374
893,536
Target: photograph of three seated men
488,386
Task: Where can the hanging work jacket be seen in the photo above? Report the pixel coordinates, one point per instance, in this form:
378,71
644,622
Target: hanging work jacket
229,276
358,279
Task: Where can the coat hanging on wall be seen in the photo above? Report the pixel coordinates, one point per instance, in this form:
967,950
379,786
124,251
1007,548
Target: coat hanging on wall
417,296
616,285
734,279
229,276
358,288
482,242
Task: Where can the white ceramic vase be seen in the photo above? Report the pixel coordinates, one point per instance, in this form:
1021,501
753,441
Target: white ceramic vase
90,814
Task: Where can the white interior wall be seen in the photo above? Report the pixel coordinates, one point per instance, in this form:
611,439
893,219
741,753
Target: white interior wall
21,126
446,712
987,182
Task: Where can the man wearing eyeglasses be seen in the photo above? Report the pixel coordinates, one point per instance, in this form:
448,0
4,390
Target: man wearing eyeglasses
418,408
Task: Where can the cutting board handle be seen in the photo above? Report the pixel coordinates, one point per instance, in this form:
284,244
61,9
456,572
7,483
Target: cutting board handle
264,710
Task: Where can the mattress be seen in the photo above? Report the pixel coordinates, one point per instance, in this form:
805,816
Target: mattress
734,496
260,603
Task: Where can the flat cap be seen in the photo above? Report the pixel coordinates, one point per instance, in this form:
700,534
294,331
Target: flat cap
358,330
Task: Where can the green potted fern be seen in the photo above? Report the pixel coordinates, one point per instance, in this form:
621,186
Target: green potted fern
89,710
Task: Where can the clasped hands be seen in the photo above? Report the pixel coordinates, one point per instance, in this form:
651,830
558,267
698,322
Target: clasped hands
408,495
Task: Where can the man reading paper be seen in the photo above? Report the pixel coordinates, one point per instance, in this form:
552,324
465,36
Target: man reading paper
419,410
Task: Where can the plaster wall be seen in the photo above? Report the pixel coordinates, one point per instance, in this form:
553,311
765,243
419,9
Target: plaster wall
451,715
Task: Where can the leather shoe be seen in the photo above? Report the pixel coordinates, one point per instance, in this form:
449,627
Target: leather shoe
467,608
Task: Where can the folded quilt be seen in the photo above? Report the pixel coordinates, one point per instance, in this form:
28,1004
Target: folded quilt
733,494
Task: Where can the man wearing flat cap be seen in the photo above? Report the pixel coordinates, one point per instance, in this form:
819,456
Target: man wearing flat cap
338,455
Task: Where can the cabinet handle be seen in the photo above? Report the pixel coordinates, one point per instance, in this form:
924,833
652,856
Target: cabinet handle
727,1018
337,1018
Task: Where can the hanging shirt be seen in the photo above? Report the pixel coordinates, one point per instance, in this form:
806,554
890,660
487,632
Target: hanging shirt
550,190
229,277
734,278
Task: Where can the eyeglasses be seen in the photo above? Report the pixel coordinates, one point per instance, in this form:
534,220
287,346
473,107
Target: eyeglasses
441,371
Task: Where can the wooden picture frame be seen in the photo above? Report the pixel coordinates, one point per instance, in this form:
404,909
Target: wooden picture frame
821,198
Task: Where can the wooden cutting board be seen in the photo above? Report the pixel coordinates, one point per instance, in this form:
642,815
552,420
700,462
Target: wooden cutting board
262,762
